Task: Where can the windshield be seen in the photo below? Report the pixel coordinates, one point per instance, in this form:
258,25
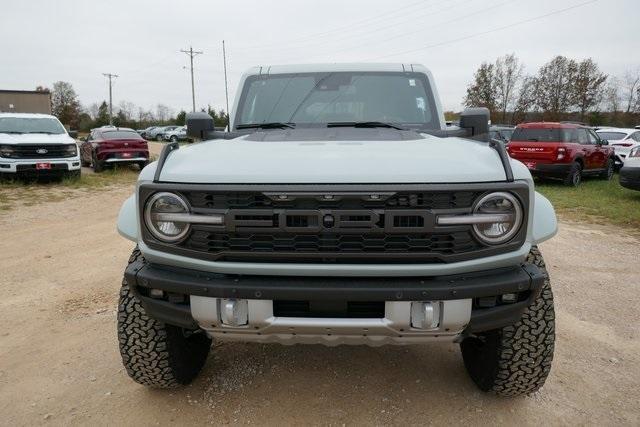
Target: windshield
121,134
542,135
612,136
315,99
30,125
506,133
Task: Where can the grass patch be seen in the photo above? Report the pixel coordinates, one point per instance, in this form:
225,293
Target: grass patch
24,192
596,201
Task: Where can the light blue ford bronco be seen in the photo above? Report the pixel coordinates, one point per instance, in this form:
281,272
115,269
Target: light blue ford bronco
338,208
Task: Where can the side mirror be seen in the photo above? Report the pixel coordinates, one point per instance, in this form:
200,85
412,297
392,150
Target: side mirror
199,124
73,134
604,142
476,122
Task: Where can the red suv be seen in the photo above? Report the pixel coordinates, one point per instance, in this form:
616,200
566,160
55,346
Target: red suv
110,145
563,151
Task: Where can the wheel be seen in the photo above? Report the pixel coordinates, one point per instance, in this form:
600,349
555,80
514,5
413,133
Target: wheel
174,138
73,174
609,169
141,165
516,359
574,178
156,354
159,137
98,166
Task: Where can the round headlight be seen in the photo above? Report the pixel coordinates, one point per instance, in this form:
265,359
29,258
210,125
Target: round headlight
160,217
508,218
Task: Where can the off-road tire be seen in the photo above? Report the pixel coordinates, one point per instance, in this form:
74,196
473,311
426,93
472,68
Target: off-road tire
574,177
609,170
516,359
141,165
174,138
156,354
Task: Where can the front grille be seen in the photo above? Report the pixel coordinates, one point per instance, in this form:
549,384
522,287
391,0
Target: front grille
437,244
332,224
333,228
44,151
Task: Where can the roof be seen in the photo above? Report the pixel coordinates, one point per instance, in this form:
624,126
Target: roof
625,130
28,115
550,125
336,67
43,92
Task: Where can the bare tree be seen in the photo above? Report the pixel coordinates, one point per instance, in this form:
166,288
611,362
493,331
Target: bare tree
525,100
64,103
162,112
588,86
508,73
92,110
126,108
631,90
555,93
481,92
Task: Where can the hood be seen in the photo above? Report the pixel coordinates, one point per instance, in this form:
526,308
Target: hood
35,138
335,155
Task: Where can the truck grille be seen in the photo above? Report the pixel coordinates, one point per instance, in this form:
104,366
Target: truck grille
331,223
44,151
333,248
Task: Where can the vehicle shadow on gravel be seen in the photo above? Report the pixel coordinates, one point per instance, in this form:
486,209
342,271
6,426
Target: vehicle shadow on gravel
340,383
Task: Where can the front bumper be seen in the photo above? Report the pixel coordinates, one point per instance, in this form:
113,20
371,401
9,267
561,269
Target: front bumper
630,177
457,296
28,166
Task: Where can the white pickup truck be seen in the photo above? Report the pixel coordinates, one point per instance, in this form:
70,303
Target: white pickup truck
36,145
338,209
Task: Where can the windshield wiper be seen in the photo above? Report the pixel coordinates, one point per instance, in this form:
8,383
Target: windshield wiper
270,125
11,132
364,125
44,132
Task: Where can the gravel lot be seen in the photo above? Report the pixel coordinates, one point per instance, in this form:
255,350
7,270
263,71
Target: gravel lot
59,362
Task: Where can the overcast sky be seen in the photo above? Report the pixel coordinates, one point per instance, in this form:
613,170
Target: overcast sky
42,41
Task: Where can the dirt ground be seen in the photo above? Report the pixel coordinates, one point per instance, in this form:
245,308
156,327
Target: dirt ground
61,266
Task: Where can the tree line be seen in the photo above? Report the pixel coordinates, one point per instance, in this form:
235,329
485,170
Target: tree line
562,89
66,106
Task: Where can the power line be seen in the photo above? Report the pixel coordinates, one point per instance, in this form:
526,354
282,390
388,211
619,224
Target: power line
191,54
110,76
363,22
493,30
429,27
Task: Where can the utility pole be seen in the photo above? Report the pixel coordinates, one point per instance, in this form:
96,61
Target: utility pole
191,54
110,76
226,88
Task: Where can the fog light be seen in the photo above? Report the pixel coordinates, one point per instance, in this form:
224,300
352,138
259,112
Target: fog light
156,293
234,312
509,298
425,315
